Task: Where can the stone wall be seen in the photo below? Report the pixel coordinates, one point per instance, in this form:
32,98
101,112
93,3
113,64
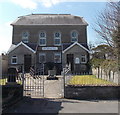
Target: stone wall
92,92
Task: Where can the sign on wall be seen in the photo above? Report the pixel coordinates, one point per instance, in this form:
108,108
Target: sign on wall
49,48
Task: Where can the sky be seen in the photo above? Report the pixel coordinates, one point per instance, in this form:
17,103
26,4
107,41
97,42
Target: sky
11,9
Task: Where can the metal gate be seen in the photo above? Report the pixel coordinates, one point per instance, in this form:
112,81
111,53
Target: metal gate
33,83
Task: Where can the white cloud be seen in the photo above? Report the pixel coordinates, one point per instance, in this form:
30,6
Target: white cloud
30,4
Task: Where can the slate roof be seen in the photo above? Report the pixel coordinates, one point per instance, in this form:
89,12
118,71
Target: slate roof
50,19
32,47
66,45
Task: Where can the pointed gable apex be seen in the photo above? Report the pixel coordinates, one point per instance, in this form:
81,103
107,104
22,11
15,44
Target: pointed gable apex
21,43
76,43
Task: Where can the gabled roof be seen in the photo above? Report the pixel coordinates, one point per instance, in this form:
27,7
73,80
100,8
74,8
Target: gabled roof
76,43
21,43
50,19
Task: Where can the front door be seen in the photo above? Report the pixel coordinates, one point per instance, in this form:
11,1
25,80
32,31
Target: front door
27,62
70,60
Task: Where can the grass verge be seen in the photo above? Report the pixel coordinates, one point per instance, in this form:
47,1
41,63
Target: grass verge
89,80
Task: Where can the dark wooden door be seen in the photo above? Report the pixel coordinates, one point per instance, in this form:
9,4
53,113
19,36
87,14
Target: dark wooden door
70,60
27,63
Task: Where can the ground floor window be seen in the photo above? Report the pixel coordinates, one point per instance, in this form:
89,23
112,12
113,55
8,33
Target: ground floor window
42,57
57,57
14,60
77,60
83,59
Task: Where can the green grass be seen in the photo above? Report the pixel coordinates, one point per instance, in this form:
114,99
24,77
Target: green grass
88,80
3,81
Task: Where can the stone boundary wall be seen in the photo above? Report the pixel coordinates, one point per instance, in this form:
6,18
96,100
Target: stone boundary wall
92,92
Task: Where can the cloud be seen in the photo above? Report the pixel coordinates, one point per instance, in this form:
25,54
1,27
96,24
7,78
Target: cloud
30,4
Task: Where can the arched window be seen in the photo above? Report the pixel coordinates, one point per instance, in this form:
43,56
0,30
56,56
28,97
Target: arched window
57,38
25,37
74,36
42,37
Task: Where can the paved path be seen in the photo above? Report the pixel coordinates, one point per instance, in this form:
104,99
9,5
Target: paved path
29,105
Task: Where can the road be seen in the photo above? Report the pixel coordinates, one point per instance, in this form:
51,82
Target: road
35,105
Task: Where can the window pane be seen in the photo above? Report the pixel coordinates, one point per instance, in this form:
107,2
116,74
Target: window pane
14,60
83,58
57,58
74,39
42,34
57,41
42,41
25,36
42,58
74,34
57,35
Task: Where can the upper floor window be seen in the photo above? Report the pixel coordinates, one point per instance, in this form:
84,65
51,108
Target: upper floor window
25,37
42,37
57,57
14,60
57,38
42,57
74,36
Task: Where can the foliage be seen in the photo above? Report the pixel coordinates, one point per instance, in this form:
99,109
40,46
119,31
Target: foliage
88,80
108,28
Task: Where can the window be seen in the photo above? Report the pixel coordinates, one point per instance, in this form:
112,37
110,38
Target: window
74,36
57,57
42,37
77,60
14,60
25,37
42,57
57,38
83,59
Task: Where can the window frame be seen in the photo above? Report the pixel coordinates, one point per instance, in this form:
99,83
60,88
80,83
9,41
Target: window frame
42,38
14,57
42,54
74,37
56,54
27,38
84,58
58,38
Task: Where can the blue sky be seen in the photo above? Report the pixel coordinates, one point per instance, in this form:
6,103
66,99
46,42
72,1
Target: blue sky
11,9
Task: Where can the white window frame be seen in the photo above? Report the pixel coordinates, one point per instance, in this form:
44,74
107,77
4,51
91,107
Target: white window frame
57,38
42,54
14,57
44,38
25,38
56,54
84,57
74,37
77,60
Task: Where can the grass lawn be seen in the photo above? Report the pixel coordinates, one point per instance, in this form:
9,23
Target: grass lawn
88,80
3,81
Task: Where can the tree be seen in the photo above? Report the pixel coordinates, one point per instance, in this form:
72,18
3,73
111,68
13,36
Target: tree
108,27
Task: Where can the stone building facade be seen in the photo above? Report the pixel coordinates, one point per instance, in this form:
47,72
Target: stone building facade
54,40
